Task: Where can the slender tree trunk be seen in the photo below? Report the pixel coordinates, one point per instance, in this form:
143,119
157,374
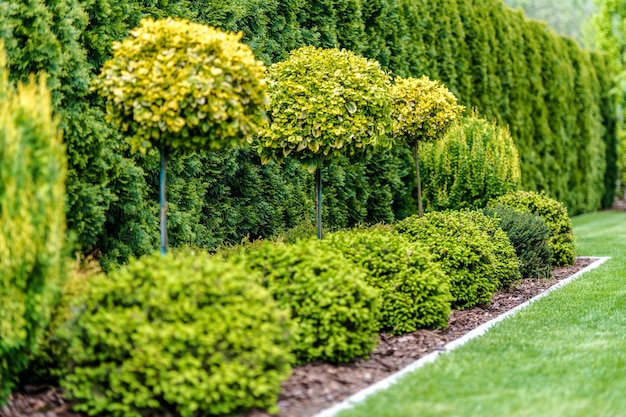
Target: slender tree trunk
318,201
163,202
415,148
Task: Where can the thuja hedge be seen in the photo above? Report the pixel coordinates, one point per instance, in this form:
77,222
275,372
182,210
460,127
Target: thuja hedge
553,95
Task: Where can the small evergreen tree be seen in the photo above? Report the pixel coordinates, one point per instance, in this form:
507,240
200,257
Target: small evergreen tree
324,103
181,86
423,110
32,219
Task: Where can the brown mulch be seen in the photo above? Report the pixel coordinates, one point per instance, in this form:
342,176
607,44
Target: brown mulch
314,387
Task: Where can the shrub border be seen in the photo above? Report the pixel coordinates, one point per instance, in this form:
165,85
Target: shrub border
479,331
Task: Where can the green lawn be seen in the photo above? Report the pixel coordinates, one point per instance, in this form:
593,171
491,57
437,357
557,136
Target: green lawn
564,355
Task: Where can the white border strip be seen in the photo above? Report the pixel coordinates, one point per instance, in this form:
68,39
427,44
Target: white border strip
478,331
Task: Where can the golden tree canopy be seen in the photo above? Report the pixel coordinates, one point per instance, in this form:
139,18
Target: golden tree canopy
174,84
323,103
423,109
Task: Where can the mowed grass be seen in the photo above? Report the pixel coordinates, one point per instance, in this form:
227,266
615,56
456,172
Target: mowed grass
564,355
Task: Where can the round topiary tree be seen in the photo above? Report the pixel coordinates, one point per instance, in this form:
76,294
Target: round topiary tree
32,220
474,162
423,110
324,103
182,86
177,335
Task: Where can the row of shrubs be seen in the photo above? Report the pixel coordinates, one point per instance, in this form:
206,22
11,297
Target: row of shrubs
199,334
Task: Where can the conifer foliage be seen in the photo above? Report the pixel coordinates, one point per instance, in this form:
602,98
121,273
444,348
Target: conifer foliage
32,219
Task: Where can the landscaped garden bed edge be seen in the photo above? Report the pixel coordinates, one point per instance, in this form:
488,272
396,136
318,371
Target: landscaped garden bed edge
478,331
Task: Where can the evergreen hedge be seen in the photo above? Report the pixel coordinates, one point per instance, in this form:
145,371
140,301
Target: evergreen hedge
554,96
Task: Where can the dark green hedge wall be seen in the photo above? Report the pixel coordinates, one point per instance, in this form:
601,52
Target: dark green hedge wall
553,95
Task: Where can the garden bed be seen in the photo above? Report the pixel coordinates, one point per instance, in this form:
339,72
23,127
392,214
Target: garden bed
314,387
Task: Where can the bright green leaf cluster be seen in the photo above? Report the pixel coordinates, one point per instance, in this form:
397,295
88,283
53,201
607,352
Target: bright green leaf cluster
333,308
472,249
178,85
325,103
414,290
32,219
474,162
555,216
423,109
194,335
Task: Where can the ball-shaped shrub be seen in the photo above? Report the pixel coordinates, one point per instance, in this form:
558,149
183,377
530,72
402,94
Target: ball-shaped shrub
174,85
554,215
472,249
333,308
324,103
192,335
32,220
423,110
529,236
414,289
474,162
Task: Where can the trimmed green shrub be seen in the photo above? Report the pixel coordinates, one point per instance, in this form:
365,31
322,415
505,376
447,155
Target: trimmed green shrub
472,249
32,220
529,236
414,290
335,311
554,215
192,335
325,103
473,163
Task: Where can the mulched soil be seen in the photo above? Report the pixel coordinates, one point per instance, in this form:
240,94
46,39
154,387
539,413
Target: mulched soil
314,387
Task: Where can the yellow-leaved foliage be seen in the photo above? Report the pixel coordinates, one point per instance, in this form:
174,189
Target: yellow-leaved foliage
32,219
177,85
423,109
474,162
325,103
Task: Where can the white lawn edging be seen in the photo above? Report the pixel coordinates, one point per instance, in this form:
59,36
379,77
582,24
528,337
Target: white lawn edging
478,331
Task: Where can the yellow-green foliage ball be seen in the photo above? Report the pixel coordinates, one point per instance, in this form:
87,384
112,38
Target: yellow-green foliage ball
324,103
174,85
423,109
178,335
